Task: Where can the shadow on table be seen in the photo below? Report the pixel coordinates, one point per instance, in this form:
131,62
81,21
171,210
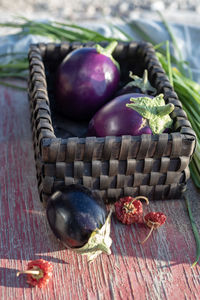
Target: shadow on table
28,247
8,279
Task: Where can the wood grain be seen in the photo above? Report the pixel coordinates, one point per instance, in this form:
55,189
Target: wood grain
159,269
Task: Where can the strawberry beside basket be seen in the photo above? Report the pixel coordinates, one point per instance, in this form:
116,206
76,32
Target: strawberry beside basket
149,165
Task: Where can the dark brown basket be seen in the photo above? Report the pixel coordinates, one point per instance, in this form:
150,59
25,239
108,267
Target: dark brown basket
155,166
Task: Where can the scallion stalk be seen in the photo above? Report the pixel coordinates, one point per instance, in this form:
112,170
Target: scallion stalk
195,230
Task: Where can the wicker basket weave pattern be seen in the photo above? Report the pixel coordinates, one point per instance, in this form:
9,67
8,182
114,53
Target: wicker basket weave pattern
152,165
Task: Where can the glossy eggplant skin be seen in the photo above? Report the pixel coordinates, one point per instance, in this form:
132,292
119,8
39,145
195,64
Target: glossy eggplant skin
74,213
86,80
128,90
115,119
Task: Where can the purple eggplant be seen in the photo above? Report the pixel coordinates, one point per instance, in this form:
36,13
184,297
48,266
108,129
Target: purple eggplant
78,218
143,115
137,85
85,81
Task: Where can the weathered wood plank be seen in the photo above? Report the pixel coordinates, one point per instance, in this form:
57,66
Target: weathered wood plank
159,269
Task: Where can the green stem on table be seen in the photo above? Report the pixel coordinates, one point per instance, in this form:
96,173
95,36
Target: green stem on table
180,59
190,92
125,34
169,63
195,230
158,46
171,35
16,65
194,174
17,87
89,34
61,33
13,54
14,75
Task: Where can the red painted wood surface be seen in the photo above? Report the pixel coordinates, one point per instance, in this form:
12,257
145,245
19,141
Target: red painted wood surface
159,269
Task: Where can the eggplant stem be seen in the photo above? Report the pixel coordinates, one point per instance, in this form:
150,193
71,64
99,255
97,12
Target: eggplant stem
111,47
142,83
107,51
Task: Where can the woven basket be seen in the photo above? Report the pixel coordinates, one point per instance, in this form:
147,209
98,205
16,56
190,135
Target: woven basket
155,166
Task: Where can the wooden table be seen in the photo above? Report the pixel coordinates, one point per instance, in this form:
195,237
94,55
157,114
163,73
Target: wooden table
158,269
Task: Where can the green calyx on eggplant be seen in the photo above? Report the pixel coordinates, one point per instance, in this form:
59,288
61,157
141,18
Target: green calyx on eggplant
138,85
155,111
107,51
80,220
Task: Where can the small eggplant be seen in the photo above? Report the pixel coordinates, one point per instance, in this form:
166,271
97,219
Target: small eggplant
86,79
144,115
80,220
137,85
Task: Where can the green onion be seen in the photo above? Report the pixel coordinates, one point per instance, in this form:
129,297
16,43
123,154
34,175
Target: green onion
17,65
13,86
195,230
57,31
188,93
169,63
194,173
14,75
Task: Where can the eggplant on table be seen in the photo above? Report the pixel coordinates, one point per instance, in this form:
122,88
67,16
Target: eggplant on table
80,220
